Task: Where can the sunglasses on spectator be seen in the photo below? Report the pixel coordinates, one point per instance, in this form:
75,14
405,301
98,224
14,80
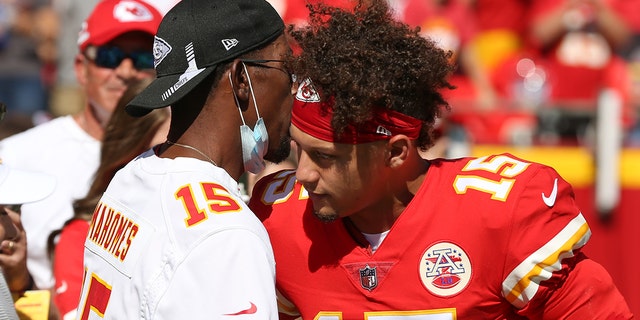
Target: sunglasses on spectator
112,57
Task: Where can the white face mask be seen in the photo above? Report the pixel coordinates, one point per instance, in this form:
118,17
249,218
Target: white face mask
256,141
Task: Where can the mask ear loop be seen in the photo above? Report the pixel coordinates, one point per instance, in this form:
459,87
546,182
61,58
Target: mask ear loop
253,96
235,97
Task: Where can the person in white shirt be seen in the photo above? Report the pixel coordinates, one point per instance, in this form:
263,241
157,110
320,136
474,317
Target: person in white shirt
114,50
17,187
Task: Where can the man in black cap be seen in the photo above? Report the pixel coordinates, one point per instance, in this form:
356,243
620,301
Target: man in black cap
171,238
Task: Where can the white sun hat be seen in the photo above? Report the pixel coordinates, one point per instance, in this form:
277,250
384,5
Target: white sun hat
21,186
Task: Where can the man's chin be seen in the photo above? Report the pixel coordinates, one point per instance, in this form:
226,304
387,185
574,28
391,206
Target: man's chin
325,217
281,153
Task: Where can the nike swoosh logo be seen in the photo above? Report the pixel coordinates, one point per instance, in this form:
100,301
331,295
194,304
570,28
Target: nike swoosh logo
252,309
62,288
551,199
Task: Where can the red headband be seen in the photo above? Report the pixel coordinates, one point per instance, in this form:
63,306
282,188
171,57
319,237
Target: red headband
313,117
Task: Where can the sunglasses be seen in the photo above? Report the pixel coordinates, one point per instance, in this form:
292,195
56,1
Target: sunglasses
112,57
261,63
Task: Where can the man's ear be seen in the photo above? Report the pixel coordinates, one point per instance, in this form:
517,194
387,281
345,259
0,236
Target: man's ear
80,68
398,150
240,83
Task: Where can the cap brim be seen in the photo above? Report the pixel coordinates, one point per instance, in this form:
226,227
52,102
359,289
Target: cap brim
162,92
21,186
110,34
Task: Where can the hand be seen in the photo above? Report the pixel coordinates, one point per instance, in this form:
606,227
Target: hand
13,255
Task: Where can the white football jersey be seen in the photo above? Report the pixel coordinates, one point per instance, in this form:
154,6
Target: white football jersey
172,239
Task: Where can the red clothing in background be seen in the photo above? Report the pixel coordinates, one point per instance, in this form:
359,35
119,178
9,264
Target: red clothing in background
68,266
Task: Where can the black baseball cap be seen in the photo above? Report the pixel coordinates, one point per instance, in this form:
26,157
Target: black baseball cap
197,35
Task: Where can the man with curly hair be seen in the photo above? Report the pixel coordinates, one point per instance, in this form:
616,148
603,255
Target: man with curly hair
367,229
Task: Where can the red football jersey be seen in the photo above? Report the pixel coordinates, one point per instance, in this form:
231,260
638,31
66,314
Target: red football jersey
494,237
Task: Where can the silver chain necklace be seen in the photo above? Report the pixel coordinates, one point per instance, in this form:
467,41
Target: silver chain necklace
194,149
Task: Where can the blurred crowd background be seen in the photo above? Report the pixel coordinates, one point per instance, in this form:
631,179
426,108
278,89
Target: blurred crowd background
38,44
529,71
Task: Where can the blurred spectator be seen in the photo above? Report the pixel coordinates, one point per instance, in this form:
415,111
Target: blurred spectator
451,23
501,26
27,30
67,96
125,137
16,188
500,44
578,40
630,12
115,49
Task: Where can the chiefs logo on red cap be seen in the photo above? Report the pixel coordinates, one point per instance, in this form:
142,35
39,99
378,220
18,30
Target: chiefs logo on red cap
307,93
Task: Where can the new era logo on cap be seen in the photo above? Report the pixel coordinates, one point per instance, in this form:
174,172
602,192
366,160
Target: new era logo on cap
229,43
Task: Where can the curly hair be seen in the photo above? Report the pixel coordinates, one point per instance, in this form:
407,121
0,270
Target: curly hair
363,58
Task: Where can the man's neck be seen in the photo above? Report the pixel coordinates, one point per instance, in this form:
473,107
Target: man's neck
88,120
381,215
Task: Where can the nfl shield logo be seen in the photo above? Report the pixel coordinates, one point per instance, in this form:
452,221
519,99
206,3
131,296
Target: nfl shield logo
368,278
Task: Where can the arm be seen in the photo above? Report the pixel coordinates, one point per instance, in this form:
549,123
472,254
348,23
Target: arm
549,277
587,292
611,24
13,257
486,98
574,14
548,27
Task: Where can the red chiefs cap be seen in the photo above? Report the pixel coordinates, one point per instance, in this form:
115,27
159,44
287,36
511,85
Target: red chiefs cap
111,18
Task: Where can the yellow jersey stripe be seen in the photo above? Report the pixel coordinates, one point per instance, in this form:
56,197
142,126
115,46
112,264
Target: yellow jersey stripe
522,283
